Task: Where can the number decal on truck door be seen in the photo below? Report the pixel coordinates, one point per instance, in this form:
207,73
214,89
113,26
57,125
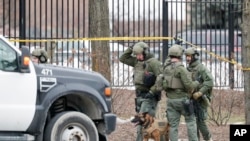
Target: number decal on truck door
46,72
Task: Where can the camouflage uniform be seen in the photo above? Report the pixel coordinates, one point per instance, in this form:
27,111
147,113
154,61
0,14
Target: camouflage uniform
203,94
146,95
178,85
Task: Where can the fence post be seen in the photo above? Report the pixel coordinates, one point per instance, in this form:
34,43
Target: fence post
165,30
231,43
22,30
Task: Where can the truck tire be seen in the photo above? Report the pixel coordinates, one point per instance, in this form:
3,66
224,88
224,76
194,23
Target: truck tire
74,126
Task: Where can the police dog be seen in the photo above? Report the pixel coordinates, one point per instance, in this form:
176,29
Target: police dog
151,128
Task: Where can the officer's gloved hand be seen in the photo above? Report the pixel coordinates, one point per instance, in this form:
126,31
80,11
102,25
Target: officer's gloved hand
149,95
131,47
196,95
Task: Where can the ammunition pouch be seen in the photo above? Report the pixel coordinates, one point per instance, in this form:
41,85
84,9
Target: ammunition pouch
188,106
149,79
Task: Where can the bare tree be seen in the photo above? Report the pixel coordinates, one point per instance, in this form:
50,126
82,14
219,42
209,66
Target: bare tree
132,22
222,106
99,27
9,15
8,9
246,56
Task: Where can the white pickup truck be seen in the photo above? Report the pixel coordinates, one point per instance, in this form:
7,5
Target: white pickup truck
44,102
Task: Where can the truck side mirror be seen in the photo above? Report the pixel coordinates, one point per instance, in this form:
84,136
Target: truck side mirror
24,60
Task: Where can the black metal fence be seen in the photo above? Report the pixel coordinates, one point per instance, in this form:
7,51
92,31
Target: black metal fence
211,26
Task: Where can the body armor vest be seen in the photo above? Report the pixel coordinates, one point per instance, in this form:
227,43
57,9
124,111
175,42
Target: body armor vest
170,80
139,71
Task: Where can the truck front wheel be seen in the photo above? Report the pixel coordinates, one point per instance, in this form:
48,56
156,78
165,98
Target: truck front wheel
71,126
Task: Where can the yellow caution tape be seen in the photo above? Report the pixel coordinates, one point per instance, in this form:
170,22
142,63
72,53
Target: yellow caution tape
134,38
92,39
239,66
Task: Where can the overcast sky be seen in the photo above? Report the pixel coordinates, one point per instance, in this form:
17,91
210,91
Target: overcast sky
130,9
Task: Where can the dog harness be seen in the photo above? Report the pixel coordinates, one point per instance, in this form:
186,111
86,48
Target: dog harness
156,124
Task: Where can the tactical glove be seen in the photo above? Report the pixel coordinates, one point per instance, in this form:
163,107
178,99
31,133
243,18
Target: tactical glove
196,95
149,95
131,47
177,40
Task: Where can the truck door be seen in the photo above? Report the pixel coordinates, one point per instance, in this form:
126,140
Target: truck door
17,90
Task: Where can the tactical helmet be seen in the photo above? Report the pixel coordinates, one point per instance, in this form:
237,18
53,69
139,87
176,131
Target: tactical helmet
41,54
175,50
36,52
191,51
139,48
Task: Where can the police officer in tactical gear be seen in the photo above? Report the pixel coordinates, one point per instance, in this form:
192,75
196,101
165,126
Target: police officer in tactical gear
39,56
178,84
146,68
202,95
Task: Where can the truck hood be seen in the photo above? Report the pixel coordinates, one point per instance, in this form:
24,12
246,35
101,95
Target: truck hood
71,75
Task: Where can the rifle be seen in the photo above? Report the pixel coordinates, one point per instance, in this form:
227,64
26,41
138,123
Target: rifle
206,100
197,106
